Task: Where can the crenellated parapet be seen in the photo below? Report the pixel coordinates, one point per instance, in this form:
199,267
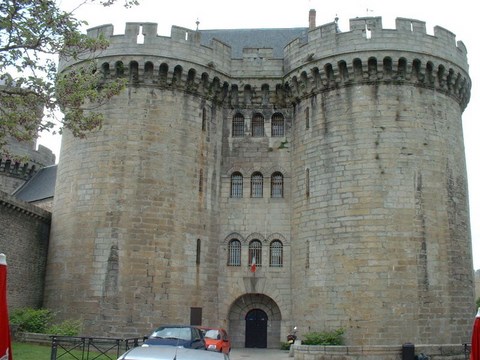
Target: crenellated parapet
368,53
368,35
323,59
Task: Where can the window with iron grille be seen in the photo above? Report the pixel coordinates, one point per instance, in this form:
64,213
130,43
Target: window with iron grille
234,253
276,253
256,183
238,125
236,185
255,252
258,129
278,125
277,185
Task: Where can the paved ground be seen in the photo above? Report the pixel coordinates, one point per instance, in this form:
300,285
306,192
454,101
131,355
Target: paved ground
259,354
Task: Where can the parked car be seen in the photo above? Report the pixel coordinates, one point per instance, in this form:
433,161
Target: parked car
177,335
170,353
216,339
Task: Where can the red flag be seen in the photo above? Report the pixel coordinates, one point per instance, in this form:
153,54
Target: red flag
475,350
253,266
5,342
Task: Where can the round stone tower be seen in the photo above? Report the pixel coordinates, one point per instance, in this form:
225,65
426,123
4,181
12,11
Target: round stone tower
336,160
136,200
380,215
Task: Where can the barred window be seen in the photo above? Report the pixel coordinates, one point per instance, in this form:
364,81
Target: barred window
256,183
277,185
255,252
278,125
234,253
238,125
236,185
258,129
276,253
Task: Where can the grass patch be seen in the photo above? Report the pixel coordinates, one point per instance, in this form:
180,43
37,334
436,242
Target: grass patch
28,351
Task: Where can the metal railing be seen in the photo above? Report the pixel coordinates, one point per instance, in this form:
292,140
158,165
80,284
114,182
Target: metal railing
90,348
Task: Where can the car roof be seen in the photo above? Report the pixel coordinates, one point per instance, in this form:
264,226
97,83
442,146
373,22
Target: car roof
169,353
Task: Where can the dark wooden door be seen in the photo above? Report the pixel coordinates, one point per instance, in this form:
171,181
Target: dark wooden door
256,329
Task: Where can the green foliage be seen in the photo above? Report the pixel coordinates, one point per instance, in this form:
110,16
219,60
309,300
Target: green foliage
66,328
32,34
284,346
478,303
324,338
31,320
42,321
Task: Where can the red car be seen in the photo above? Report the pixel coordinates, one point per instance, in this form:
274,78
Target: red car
216,339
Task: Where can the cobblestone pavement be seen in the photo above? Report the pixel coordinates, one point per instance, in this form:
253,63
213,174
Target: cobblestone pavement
259,354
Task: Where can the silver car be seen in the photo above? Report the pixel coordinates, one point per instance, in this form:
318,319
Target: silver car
171,353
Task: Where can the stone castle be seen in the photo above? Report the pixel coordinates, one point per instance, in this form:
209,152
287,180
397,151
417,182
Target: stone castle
332,160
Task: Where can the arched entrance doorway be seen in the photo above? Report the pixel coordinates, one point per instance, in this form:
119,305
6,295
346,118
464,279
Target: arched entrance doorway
256,329
254,322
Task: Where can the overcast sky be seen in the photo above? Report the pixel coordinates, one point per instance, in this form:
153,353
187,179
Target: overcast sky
459,17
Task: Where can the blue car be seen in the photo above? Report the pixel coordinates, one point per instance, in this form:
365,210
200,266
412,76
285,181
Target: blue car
177,335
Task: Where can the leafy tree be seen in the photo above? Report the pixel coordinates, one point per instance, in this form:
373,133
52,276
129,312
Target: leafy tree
32,34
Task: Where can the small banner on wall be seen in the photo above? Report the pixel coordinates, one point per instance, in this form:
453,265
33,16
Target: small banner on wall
253,266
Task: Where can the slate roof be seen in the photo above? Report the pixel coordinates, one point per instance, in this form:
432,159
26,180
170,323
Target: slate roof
238,39
41,186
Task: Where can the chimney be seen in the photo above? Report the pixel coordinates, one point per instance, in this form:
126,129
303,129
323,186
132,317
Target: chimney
311,19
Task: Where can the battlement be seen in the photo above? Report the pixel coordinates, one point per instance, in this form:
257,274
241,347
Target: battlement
368,34
311,60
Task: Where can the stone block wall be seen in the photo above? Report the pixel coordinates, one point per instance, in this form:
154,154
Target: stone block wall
24,232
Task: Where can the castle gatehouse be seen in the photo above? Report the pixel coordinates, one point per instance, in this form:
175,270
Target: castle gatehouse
330,162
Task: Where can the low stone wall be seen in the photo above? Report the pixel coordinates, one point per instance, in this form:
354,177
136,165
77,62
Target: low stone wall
33,338
434,352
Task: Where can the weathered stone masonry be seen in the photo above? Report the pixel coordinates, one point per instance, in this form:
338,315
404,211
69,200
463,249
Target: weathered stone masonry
373,216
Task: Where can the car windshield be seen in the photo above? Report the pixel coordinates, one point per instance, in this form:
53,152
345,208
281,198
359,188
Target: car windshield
212,334
172,333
